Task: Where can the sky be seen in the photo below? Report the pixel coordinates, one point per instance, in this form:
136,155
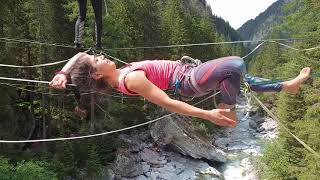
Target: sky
237,12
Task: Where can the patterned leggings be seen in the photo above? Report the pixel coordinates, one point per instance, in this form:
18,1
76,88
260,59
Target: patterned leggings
224,74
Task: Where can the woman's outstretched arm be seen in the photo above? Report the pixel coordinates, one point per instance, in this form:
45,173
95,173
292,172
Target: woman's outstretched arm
60,80
68,67
137,82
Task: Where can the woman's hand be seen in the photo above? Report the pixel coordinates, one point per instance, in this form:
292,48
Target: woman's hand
59,81
217,116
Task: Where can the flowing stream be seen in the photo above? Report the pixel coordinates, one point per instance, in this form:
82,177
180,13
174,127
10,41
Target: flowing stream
244,143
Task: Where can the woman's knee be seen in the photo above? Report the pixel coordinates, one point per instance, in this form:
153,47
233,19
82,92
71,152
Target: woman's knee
238,65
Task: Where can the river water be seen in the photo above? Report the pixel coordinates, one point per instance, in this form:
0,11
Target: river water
244,143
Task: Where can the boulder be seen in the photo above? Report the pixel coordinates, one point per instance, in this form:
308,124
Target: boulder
127,165
175,132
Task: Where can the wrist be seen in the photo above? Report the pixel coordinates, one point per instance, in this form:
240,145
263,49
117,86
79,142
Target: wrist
61,72
204,114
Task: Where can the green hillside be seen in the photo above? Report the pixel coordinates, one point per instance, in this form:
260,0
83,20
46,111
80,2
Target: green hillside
286,158
31,111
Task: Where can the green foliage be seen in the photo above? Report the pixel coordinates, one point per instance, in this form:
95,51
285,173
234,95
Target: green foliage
33,170
203,128
286,158
276,162
176,27
25,171
28,114
64,156
93,163
6,169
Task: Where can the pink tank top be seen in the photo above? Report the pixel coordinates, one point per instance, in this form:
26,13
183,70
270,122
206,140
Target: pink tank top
159,72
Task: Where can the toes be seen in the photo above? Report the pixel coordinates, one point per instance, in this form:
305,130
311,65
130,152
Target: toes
306,70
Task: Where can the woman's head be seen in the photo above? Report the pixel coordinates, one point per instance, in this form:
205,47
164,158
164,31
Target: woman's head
88,76
101,67
89,72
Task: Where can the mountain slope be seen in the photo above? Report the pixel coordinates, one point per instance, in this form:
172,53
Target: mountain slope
261,27
224,28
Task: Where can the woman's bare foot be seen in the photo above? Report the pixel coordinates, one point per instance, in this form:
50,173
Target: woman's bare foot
232,114
293,86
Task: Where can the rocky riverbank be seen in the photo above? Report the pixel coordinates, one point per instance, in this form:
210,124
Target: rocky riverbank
172,150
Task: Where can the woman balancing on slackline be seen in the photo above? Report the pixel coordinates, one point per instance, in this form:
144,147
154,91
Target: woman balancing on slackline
150,78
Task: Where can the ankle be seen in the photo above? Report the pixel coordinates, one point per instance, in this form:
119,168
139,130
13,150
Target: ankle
291,86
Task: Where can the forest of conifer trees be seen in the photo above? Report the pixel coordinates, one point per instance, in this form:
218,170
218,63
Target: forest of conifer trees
286,158
30,111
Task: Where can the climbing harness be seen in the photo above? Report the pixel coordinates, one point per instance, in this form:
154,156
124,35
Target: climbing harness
186,62
179,76
184,71
190,61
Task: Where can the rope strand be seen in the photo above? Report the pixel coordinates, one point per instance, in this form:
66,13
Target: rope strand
169,46
35,42
275,118
29,80
100,134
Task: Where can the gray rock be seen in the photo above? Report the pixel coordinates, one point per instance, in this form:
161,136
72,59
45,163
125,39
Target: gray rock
259,120
127,165
261,129
167,172
141,177
137,142
253,124
145,167
316,106
222,142
174,131
151,157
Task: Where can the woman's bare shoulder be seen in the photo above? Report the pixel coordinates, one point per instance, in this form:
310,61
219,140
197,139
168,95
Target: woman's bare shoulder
135,78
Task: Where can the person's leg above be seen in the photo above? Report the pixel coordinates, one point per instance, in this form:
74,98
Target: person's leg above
79,27
97,7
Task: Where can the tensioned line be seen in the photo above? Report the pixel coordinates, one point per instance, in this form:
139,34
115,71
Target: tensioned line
230,42
35,42
294,136
110,132
29,80
101,134
46,82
